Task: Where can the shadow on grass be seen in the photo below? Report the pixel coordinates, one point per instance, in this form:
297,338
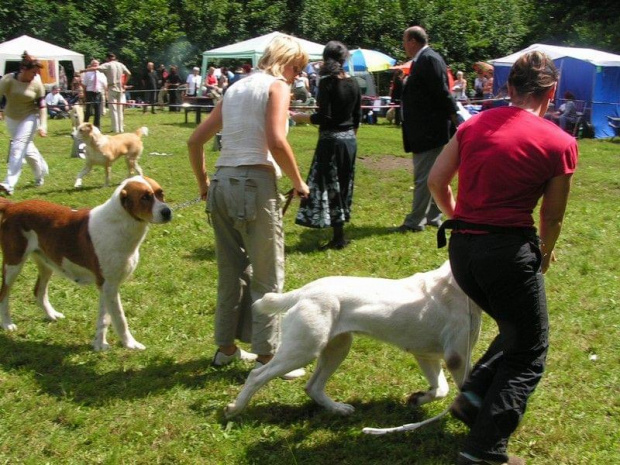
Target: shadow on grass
432,444
60,373
310,239
200,254
66,190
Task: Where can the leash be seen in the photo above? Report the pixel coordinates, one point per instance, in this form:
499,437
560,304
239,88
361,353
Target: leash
185,204
289,197
414,426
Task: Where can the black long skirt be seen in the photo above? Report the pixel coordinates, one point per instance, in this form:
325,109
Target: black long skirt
330,181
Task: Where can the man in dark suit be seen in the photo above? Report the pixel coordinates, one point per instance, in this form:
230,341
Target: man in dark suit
429,111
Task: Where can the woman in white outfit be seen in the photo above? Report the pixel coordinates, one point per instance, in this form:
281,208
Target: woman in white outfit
24,113
243,200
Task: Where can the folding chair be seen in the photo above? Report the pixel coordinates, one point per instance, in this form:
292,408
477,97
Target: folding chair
614,123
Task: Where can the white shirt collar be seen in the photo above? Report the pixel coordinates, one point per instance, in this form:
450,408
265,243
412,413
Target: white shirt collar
417,55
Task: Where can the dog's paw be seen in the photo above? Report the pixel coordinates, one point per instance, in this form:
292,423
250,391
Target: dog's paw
54,315
9,326
134,345
230,411
101,346
340,408
418,398
78,183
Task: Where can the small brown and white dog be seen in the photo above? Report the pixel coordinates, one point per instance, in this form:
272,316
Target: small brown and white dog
104,150
426,314
87,246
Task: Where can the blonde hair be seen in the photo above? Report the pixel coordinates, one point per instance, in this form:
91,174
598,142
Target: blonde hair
283,51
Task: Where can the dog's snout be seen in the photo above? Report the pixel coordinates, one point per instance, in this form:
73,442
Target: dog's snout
166,214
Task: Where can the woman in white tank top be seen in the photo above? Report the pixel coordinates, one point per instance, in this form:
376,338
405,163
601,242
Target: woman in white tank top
243,201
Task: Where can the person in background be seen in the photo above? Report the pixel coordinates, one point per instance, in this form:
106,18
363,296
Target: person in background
150,85
222,81
117,75
566,116
487,88
506,158
428,112
162,77
238,74
301,87
57,106
396,92
211,84
95,85
459,89
479,84
172,85
333,167
25,114
193,82
243,199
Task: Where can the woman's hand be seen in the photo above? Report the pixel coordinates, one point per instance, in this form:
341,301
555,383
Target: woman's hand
302,189
546,261
203,187
42,132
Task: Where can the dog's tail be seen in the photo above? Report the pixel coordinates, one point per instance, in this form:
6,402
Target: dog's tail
143,131
272,303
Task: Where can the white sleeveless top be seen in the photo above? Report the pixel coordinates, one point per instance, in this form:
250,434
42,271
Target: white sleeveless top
244,139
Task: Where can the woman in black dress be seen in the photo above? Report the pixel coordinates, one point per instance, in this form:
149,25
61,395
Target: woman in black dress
333,167
172,84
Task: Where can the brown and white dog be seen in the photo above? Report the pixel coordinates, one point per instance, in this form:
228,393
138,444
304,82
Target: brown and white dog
87,246
104,150
426,314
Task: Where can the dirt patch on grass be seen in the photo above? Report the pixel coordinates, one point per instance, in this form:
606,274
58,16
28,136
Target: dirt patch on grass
387,163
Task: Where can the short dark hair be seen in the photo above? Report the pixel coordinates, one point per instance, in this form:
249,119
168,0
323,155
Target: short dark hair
418,34
29,62
110,56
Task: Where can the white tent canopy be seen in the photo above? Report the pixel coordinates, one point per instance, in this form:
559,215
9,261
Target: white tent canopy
591,76
12,50
253,49
595,57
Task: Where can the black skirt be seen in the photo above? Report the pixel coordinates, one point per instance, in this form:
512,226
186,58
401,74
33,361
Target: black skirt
330,181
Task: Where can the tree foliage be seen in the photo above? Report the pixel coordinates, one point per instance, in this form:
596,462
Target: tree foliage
177,31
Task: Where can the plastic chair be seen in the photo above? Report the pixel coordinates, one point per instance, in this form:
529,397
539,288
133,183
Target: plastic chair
614,123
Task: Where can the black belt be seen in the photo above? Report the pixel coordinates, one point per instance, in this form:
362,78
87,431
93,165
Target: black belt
527,232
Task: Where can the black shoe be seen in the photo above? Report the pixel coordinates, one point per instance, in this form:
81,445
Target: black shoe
463,410
403,228
336,245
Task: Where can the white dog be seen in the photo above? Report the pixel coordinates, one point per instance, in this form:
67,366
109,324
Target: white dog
104,150
426,314
98,246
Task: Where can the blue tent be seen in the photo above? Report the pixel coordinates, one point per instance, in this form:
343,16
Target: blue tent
591,75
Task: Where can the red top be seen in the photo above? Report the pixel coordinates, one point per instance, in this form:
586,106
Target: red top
507,155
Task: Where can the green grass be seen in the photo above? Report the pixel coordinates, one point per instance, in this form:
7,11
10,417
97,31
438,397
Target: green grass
60,402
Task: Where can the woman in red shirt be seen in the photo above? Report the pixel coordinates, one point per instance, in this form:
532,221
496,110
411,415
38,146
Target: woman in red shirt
506,158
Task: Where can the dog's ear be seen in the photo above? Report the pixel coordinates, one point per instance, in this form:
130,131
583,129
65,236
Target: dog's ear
125,200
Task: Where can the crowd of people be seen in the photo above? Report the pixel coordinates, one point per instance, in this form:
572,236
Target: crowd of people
507,160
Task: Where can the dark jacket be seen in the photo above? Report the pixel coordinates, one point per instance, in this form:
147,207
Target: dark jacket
427,104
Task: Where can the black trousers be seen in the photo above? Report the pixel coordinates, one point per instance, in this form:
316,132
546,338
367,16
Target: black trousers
93,105
501,273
